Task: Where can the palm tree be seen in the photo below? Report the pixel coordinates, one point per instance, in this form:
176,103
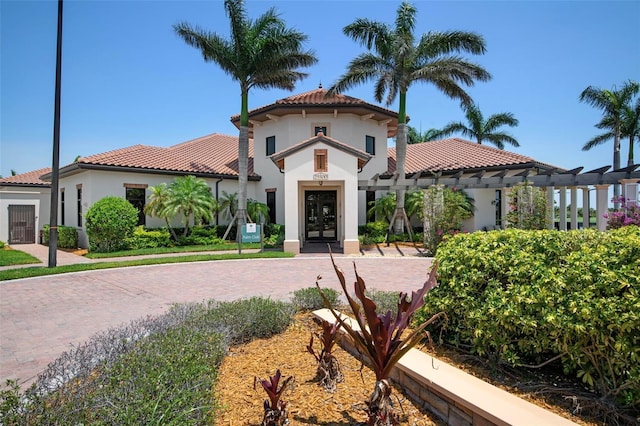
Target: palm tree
395,61
229,204
261,53
157,205
630,128
255,209
191,197
383,207
483,130
612,103
415,136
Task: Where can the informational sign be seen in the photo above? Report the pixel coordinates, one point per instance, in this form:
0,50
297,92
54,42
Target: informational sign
251,233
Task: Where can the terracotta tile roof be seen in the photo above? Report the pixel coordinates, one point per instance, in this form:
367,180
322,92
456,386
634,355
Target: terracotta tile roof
29,179
319,97
214,154
363,157
455,154
314,102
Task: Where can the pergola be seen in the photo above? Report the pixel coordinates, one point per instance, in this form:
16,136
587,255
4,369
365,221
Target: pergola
572,180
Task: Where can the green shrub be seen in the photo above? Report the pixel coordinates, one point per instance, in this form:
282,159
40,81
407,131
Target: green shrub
309,299
377,229
2,244
109,223
67,236
252,318
386,301
156,370
524,297
200,236
143,238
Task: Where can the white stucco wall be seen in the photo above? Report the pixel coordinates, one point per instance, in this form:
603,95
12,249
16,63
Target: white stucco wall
97,184
341,176
40,198
293,129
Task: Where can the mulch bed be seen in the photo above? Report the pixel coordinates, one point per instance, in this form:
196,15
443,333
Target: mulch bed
308,403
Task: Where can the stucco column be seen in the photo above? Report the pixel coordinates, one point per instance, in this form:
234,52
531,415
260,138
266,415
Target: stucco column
602,206
573,213
630,190
562,215
586,208
506,199
291,242
550,214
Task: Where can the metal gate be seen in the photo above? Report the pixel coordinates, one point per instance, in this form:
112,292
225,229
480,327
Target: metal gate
22,224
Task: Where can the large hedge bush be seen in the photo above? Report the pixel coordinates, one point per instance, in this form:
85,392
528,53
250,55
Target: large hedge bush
110,222
67,236
525,297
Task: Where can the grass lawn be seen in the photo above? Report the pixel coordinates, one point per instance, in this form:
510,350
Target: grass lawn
15,257
180,249
13,274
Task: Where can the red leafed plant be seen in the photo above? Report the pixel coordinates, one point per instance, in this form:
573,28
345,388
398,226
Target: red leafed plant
275,410
328,372
380,337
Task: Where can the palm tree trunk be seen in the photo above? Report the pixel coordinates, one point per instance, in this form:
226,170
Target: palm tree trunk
616,166
401,158
243,161
630,159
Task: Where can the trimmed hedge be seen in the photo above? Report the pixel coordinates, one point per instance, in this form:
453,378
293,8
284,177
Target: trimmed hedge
67,236
524,297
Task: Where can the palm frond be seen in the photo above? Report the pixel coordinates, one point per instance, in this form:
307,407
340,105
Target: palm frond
435,43
370,34
598,140
499,139
501,119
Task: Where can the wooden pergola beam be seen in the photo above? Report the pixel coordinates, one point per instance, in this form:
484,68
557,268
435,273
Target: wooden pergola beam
594,177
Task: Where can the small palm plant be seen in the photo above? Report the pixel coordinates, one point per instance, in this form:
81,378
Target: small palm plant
275,410
380,337
328,372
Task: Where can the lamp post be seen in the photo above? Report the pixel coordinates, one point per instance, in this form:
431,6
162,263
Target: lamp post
55,166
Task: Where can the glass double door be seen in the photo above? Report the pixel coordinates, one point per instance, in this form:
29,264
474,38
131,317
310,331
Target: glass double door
320,216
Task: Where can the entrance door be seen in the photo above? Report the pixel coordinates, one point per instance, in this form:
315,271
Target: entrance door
22,224
320,215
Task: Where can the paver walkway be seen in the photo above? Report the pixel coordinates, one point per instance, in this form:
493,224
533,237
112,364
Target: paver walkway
42,317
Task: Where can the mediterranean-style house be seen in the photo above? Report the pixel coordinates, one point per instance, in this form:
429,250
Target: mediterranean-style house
315,160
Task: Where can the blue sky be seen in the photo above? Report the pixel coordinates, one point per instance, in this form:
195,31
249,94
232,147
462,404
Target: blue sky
128,79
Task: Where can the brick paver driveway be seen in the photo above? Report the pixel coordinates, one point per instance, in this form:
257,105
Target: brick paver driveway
42,317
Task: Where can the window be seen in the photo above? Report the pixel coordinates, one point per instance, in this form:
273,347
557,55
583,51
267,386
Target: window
62,206
136,196
371,200
271,203
79,201
498,205
318,129
271,145
320,163
370,145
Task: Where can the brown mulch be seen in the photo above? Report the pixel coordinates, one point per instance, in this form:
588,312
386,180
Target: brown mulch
307,402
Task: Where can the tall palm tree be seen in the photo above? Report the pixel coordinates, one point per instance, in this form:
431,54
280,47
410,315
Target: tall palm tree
395,60
190,197
612,103
630,128
483,130
261,53
157,205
